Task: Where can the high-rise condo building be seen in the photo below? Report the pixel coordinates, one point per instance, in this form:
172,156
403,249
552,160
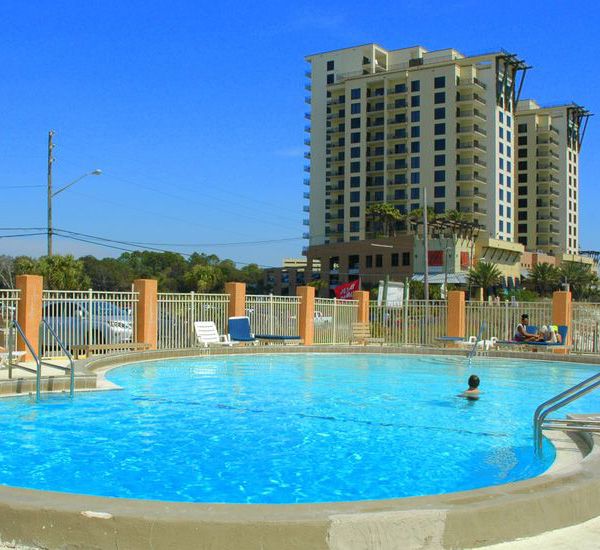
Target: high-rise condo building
387,125
548,140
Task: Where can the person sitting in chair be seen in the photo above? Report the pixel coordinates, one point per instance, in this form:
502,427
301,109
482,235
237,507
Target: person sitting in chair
521,334
550,334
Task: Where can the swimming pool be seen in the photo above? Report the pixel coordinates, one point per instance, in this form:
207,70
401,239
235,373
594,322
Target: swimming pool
292,428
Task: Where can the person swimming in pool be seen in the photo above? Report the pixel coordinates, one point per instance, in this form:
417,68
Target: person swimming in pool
472,392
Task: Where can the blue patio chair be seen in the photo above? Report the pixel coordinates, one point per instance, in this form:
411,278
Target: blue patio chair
239,330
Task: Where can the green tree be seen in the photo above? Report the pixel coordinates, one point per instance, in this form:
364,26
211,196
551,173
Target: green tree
384,217
108,273
580,277
204,278
62,273
484,275
543,278
254,277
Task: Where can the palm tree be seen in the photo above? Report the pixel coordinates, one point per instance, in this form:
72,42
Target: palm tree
579,276
484,275
384,215
544,278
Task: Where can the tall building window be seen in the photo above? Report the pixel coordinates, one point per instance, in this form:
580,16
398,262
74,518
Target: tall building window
400,88
415,178
415,147
379,260
439,113
355,167
355,108
355,152
439,82
439,192
415,162
439,207
405,258
355,93
355,137
439,175
330,65
500,116
415,131
354,196
415,116
354,226
414,193
522,128
415,101
355,181
330,78
355,123
415,86
439,160
439,97
440,128
354,211
395,259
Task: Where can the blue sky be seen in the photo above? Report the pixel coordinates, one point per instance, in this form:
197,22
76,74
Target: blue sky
194,110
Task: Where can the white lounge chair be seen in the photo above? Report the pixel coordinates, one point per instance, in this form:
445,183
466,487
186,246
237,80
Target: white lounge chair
15,354
482,344
207,334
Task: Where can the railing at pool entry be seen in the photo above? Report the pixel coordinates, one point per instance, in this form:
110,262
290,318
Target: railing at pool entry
586,327
333,320
177,313
501,319
9,307
415,322
274,315
87,317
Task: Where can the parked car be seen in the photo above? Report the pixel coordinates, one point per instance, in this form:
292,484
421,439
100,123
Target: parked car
80,322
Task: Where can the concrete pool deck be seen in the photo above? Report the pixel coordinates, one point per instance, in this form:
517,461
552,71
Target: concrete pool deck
566,495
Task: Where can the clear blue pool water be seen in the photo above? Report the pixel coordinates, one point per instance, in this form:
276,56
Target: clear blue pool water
286,429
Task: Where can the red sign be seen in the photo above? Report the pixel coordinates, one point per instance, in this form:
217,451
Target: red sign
344,292
435,258
464,259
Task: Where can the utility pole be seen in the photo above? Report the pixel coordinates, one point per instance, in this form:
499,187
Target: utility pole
50,161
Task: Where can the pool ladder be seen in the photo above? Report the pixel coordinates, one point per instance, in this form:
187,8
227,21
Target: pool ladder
541,422
473,350
14,325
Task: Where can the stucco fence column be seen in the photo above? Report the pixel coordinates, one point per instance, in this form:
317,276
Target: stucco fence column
457,315
306,314
562,314
147,312
29,311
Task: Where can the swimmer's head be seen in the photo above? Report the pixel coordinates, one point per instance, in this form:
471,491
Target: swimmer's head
473,382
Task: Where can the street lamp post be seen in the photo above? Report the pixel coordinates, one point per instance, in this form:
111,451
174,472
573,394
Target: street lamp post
51,194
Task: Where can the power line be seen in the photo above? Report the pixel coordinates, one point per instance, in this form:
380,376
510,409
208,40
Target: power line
21,235
19,186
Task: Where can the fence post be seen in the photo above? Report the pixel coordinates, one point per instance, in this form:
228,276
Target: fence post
562,315
237,299
147,311
30,311
362,296
456,318
306,314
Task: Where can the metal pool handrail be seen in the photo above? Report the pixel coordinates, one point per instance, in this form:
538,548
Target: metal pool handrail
71,367
477,340
559,401
38,371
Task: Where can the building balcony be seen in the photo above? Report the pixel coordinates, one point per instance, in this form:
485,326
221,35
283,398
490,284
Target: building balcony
471,177
306,195
548,216
546,230
307,100
308,74
471,83
547,153
397,106
306,208
549,141
547,166
307,116
307,142
548,179
470,195
393,92
306,182
464,99
393,153
466,145
471,113
305,222
306,235
307,155
545,130
307,129
307,168
472,129
469,162
308,87
547,191
547,206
